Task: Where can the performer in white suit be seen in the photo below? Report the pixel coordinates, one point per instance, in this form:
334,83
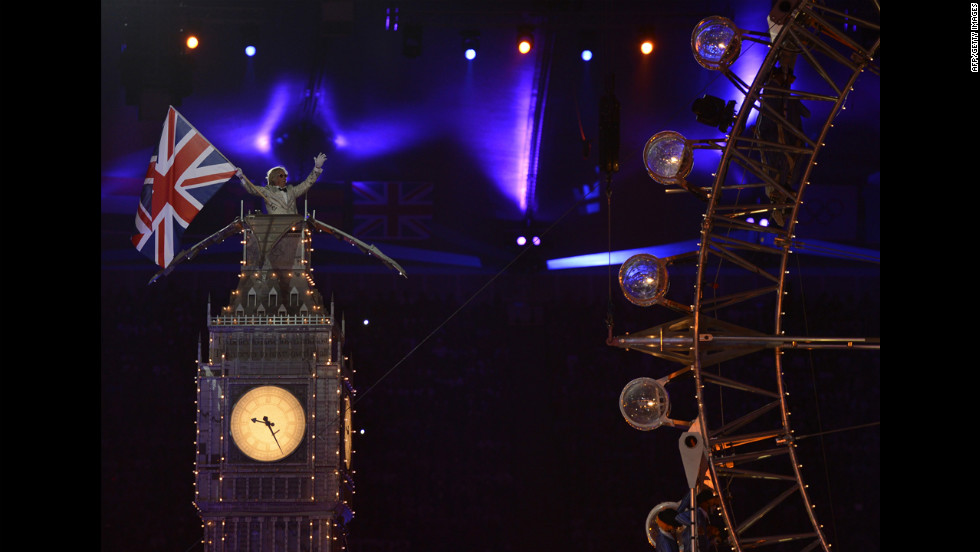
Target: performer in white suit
279,198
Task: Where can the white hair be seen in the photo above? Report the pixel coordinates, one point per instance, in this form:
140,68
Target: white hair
268,175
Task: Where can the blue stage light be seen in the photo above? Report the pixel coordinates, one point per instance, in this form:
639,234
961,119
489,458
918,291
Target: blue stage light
250,51
586,44
471,43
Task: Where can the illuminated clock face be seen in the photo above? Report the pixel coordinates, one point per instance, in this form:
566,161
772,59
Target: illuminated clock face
268,423
347,432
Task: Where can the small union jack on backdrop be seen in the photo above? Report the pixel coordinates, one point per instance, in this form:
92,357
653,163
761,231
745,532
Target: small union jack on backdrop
183,175
392,210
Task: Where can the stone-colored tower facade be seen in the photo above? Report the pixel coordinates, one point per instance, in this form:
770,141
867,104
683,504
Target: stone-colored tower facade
273,427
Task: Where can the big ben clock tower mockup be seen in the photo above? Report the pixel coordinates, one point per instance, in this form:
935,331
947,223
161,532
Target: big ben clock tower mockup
274,406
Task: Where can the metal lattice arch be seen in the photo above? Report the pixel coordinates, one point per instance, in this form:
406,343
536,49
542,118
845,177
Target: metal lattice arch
743,421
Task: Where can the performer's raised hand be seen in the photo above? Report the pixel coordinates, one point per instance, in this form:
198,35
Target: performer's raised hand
318,160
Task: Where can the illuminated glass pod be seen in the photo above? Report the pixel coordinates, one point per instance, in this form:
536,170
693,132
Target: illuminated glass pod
716,43
668,157
644,404
643,279
651,525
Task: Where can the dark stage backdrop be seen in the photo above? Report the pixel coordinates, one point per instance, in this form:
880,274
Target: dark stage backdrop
488,404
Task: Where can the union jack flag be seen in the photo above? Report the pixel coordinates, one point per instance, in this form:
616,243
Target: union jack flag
392,210
183,175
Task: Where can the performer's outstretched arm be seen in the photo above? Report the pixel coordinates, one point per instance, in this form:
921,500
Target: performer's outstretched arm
302,187
247,184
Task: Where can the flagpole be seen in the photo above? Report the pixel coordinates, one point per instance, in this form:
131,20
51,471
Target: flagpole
241,210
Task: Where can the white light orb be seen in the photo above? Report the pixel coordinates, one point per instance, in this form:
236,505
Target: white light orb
644,404
643,279
668,157
716,42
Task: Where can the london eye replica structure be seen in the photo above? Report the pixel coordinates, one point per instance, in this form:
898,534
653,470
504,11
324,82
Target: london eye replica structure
742,445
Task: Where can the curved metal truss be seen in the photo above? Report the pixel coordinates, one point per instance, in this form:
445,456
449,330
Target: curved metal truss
743,412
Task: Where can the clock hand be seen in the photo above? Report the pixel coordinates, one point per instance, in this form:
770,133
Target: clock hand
277,440
268,424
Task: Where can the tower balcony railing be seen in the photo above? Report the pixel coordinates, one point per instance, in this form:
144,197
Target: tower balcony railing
270,320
